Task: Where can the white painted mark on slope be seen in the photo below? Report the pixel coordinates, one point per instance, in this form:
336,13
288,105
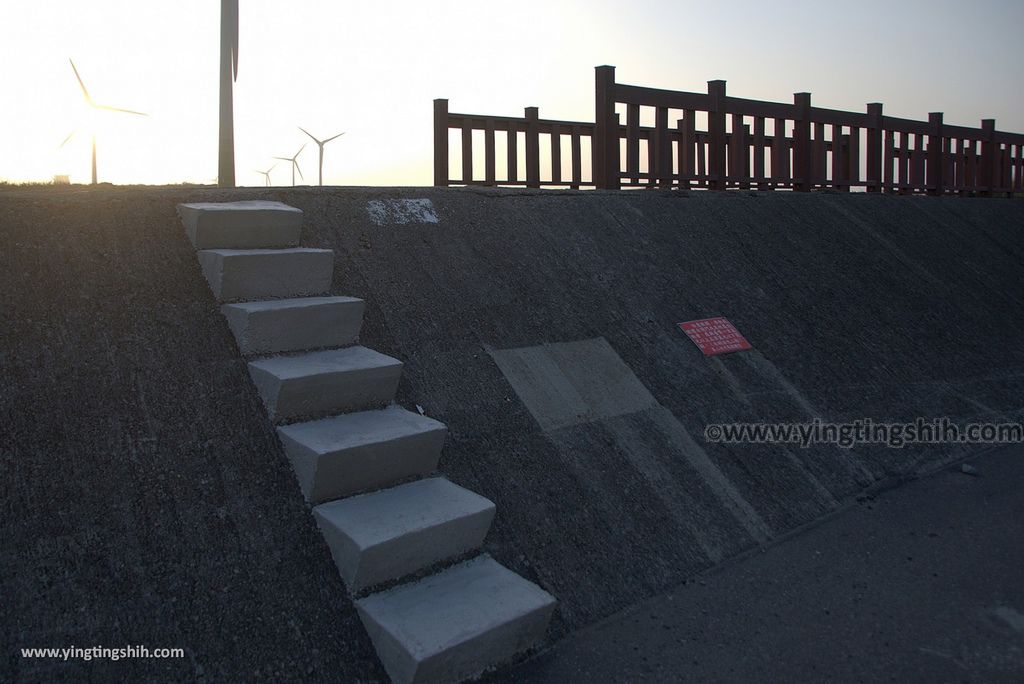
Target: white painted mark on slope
400,211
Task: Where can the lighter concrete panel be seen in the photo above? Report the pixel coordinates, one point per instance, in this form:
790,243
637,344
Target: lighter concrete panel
241,225
388,534
453,625
572,382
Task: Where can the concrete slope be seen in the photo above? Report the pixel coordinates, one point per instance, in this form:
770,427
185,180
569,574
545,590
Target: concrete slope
146,500
541,328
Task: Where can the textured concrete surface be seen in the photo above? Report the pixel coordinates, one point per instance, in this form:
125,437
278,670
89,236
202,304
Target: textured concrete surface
146,500
236,274
341,455
918,584
241,225
325,382
395,532
455,623
284,325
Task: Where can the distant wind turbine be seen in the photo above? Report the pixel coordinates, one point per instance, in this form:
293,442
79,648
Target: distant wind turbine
266,174
295,163
228,75
89,101
320,144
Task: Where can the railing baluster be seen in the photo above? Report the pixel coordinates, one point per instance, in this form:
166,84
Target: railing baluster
467,151
556,154
512,162
759,167
780,155
662,149
837,156
853,158
633,143
802,142
888,158
577,156
687,146
489,152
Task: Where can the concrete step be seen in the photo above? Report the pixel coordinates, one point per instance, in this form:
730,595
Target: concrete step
456,623
395,532
282,325
236,274
324,382
241,225
337,456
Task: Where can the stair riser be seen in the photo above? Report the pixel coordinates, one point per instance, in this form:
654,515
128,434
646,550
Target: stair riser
455,624
406,554
242,225
310,327
326,393
266,276
333,475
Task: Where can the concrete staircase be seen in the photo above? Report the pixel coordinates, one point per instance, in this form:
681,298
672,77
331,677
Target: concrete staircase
400,539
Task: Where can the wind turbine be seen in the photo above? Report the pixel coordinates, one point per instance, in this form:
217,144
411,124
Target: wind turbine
89,101
320,144
228,75
295,164
266,174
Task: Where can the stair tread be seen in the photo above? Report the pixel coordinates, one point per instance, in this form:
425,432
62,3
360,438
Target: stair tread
293,302
349,430
373,518
349,359
260,252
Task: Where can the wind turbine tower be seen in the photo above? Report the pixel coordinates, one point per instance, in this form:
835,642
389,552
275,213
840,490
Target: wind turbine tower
228,75
294,161
92,103
266,174
320,144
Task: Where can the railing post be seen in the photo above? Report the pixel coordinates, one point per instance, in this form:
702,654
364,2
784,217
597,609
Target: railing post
716,135
440,143
802,141
874,147
532,147
606,130
988,157
936,155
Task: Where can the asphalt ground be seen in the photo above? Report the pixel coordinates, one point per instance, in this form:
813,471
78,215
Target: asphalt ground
921,583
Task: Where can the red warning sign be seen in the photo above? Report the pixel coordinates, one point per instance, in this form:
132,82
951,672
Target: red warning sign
715,336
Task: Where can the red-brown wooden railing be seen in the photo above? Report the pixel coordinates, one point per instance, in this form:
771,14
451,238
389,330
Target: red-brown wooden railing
746,144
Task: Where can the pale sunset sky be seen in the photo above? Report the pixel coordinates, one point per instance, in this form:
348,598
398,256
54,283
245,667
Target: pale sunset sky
373,69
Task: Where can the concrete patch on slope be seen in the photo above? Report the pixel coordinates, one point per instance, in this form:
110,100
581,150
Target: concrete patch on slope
400,211
574,388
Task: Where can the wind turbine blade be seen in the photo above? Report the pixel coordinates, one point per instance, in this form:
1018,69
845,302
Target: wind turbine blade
287,159
118,109
311,136
85,93
330,139
298,169
300,151
70,136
